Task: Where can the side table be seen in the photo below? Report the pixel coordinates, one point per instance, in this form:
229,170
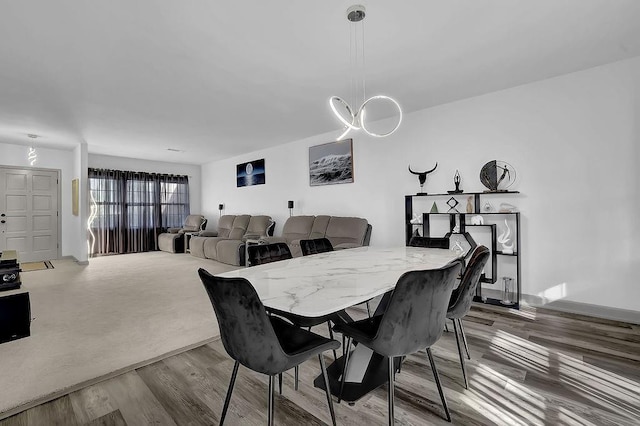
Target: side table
187,241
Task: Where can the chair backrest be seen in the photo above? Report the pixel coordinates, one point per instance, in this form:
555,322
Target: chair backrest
297,228
239,227
319,228
349,230
416,313
193,223
267,253
225,224
462,297
247,333
429,242
319,245
258,227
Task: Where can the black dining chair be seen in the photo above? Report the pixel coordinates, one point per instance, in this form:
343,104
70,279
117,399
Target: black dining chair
267,253
430,242
413,320
265,344
315,246
461,298
259,254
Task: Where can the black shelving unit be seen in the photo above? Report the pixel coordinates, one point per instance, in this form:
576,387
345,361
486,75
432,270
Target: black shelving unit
457,218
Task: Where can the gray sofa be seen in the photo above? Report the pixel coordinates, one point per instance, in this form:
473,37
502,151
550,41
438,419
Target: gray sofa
172,241
343,232
227,244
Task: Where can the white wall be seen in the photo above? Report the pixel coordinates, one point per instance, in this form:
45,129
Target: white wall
123,163
73,164
16,155
573,139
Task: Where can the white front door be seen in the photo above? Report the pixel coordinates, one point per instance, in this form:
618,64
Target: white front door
29,213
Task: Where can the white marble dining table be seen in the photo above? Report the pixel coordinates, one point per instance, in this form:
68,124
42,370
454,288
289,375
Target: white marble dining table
325,283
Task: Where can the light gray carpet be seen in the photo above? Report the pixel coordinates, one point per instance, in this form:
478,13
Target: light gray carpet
103,318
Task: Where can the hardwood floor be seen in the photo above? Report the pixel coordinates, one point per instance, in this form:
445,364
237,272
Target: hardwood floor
532,366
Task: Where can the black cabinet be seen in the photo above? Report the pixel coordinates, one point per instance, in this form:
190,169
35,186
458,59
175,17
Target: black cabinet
460,223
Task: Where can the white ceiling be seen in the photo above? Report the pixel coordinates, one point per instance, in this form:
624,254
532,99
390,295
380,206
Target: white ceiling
221,78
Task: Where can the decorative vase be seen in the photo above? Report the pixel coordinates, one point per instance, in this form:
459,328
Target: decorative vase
508,293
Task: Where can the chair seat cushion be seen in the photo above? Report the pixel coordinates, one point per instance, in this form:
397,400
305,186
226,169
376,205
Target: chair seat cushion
362,331
301,321
300,344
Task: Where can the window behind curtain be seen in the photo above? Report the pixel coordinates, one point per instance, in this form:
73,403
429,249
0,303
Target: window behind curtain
132,208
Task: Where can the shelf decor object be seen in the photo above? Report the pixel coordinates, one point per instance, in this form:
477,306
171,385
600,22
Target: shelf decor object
351,118
504,239
422,177
508,293
497,175
452,203
456,182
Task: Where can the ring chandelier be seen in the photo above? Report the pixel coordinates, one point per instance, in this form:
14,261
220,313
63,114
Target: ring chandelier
356,119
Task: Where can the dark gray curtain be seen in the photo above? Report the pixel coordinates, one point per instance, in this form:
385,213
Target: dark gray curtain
130,209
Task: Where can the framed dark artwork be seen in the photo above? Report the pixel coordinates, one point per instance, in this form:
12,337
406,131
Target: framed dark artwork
251,173
331,163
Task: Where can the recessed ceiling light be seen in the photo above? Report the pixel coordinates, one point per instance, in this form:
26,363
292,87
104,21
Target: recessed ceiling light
32,136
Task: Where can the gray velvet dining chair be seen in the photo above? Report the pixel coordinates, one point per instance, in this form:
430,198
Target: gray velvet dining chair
430,242
315,246
461,298
267,253
265,344
413,320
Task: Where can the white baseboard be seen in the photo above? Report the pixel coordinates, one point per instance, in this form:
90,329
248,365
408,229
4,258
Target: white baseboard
606,312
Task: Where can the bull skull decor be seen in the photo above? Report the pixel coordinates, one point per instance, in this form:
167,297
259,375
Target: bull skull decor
422,178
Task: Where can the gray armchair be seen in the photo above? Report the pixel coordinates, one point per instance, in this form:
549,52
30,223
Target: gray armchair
172,241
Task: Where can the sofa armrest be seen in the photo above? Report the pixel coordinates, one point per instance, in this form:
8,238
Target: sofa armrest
208,234
343,246
272,240
173,230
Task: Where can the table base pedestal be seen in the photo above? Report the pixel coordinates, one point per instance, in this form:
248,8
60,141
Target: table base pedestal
377,374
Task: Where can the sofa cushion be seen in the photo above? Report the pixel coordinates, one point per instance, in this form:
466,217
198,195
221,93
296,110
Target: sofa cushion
230,252
297,228
257,227
211,247
240,224
350,230
225,224
319,228
196,246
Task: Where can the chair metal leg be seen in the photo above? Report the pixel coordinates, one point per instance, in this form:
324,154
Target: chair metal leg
295,370
323,367
437,379
280,383
344,368
391,389
335,355
271,402
464,337
368,309
229,391
464,371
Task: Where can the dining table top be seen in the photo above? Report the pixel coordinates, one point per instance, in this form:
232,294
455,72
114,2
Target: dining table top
325,283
